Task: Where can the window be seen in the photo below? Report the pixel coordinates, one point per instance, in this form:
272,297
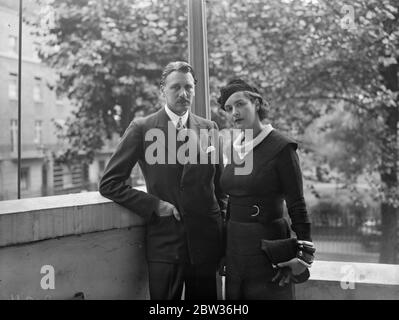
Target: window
14,135
38,132
67,178
37,90
13,43
85,173
101,166
25,178
13,87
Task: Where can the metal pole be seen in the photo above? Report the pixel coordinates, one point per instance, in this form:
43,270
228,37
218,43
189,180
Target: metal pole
198,55
19,97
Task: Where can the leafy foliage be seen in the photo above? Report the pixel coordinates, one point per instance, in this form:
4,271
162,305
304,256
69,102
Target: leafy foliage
109,55
311,59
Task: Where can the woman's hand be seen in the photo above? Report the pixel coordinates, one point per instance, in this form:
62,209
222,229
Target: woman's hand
284,276
288,270
297,267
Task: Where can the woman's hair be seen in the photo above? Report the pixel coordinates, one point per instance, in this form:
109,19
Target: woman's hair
251,92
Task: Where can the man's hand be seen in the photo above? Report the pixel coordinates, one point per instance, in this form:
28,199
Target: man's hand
166,209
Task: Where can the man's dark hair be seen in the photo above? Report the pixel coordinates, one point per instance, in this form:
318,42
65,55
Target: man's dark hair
180,66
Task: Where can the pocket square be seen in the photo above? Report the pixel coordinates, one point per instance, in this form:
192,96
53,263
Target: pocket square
210,149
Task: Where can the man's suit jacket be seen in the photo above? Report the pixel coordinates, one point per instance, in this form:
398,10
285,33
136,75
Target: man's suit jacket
192,188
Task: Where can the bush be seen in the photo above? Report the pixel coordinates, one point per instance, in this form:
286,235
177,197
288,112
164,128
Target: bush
327,213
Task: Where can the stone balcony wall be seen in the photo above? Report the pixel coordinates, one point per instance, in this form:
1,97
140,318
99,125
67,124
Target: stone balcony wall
96,247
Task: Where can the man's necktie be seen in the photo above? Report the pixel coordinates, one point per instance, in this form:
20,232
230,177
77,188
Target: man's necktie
179,125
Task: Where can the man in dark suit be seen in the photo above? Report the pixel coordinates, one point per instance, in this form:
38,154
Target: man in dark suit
184,204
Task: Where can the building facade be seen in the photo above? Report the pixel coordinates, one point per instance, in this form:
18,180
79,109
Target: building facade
41,109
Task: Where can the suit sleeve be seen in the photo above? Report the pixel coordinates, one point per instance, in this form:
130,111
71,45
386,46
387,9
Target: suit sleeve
290,175
113,183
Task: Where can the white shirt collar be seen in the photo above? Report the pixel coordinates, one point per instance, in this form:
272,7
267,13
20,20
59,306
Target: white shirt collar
243,149
175,118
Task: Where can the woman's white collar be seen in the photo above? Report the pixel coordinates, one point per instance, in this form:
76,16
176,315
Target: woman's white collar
244,147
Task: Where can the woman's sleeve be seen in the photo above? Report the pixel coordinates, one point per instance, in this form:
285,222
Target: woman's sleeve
290,175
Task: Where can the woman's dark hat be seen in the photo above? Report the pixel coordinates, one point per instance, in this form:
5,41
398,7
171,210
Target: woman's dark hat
233,86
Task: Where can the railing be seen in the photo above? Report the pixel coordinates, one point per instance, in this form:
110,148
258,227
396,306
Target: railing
57,247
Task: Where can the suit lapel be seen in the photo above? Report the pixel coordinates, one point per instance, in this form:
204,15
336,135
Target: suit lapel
195,125
162,123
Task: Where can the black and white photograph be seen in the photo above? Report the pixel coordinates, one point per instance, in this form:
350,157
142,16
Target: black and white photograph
207,153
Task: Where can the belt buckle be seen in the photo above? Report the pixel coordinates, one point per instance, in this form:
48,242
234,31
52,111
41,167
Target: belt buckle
257,211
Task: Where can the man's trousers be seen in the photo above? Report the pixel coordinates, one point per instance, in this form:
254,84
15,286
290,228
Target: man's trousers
166,281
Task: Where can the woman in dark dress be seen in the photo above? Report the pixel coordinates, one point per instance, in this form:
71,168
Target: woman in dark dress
256,202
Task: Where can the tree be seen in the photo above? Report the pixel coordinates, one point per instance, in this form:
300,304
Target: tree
307,56
109,55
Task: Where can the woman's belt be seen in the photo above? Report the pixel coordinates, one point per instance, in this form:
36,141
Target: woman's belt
246,238
254,209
